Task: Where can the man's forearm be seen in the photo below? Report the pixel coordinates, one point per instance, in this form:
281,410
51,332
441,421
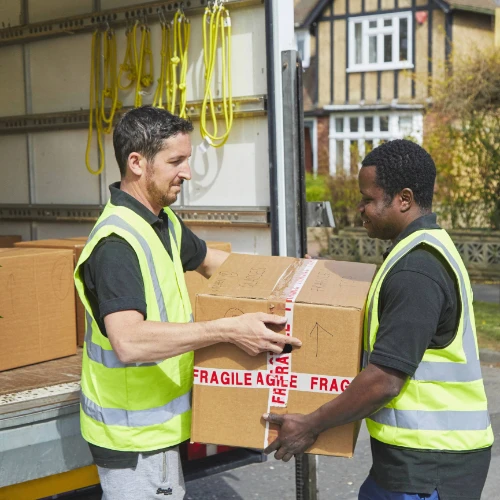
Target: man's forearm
153,341
135,340
214,259
369,391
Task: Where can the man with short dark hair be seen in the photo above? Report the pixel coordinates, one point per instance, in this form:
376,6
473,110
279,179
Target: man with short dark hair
137,367
421,390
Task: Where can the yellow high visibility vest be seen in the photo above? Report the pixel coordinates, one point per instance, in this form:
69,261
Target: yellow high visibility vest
443,406
137,406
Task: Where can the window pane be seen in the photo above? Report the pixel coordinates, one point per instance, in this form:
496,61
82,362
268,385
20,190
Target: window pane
384,124
405,125
372,49
368,147
387,48
373,24
339,160
358,42
403,39
387,22
339,124
353,122
369,123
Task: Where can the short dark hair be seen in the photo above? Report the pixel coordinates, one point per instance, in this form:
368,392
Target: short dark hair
143,130
404,164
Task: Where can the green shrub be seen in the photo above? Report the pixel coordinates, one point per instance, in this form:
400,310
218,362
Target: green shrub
341,191
317,188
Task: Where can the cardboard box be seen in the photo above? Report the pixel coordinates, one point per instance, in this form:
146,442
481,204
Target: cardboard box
195,282
37,306
76,245
79,238
324,302
7,241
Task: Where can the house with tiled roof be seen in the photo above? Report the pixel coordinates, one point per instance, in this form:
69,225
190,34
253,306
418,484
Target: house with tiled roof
369,65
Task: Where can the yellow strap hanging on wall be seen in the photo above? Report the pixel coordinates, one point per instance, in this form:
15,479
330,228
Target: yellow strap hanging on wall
94,107
219,23
164,85
181,34
185,29
110,84
129,64
145,60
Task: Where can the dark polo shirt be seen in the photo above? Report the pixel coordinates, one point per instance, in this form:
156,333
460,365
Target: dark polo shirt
419,309
113,282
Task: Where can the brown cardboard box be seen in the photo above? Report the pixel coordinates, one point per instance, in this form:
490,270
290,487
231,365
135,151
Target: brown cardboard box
8,241
195,282
37,306
79,238
77,246
324,302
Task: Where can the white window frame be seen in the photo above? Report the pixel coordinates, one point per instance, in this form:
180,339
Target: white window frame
361,135
304,36
380,31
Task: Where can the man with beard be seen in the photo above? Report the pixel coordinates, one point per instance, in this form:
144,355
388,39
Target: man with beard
421,390
137,367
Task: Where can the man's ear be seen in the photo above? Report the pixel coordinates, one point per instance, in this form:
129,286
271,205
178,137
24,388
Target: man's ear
406,199
136,163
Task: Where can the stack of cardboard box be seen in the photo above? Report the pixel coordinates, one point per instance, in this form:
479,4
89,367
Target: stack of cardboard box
42,317
37,306
76,246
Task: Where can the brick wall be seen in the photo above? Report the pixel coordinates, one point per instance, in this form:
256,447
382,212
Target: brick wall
323,145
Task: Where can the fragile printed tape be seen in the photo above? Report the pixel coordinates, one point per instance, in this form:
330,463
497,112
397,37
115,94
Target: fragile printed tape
275,380
278,397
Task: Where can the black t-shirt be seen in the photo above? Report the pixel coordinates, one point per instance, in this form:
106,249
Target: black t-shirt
113,282
419,308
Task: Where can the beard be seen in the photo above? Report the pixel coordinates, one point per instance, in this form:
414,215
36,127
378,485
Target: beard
156,195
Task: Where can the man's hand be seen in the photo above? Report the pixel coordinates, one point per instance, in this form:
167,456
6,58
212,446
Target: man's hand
295,435
251,333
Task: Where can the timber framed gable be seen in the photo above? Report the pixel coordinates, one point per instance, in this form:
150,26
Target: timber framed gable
428,25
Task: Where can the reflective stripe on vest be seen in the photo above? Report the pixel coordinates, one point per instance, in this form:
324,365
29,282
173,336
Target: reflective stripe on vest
433,420
136,418
438,371
172,232
115,220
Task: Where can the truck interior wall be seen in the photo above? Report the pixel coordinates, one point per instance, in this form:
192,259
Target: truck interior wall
242,239
57,80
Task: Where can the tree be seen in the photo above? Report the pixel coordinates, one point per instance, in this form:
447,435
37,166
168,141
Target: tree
463,137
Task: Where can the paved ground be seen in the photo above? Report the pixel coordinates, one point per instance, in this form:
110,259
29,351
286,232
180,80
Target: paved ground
337,478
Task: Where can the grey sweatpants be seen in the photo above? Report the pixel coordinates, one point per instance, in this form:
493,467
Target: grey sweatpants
156,476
